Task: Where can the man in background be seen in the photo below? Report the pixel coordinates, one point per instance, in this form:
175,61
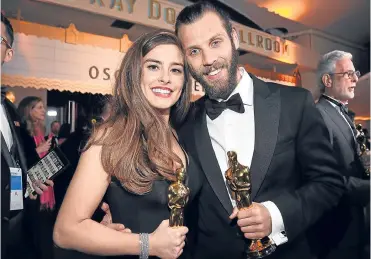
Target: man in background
55,127
16,242
340,231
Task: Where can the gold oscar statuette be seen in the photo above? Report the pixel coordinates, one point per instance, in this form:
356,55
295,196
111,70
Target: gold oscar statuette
178,195
238,179
364,153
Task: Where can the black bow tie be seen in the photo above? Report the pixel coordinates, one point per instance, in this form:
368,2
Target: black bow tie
215,108
348,115
344,108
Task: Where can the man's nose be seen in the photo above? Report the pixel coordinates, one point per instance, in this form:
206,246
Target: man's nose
208,58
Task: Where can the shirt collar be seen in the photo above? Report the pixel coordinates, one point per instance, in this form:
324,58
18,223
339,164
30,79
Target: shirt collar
336,100
337,107
245,88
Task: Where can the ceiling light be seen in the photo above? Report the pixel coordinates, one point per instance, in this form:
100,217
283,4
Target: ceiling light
52,113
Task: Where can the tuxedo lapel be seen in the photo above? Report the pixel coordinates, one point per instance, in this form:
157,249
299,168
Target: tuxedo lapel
15,130
336,117
209,161
5,152
267,109
12,118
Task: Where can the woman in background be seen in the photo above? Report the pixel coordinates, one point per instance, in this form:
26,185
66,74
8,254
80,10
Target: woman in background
32,112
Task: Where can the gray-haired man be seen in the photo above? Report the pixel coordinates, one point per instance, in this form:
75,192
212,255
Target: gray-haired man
341,229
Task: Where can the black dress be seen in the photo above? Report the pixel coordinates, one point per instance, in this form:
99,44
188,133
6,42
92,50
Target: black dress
144,213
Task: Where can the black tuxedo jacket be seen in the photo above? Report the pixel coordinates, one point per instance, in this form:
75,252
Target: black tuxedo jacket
12,224
343,226
292,165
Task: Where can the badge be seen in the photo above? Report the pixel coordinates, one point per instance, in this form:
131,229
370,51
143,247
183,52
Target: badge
16,190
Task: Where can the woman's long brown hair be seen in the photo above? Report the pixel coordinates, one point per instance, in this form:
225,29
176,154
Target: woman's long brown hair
135,139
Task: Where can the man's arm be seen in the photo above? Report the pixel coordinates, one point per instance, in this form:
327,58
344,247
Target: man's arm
291,213
323,185
357,191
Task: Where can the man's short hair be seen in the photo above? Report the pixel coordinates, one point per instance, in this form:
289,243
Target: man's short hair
194,12
327,65
9,29
51,125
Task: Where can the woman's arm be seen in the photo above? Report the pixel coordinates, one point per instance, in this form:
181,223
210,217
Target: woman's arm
74,228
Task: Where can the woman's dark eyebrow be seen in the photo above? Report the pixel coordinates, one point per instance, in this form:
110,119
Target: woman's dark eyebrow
159,62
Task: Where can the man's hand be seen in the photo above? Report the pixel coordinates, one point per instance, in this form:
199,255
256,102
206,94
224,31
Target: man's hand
40,188
107,220
254,222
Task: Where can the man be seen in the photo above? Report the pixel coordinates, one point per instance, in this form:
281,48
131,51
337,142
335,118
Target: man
275,130
341,230
15,243
55,127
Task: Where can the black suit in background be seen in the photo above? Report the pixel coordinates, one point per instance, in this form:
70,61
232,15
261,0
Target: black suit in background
292,166
343,227
15,243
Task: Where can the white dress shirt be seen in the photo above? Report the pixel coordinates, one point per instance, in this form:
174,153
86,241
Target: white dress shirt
232,131
5,128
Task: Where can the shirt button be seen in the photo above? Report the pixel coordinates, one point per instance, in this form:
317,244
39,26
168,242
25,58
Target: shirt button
7,187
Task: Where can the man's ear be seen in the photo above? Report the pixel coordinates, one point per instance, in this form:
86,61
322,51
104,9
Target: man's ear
327,80
8,55
235,38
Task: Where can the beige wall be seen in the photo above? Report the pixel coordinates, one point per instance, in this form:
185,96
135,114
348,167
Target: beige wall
309,82
21,93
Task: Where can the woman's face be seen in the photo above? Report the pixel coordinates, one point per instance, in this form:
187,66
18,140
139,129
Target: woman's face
38,112
163,76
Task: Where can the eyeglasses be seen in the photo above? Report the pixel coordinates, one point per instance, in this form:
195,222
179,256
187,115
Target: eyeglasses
6,42
350,74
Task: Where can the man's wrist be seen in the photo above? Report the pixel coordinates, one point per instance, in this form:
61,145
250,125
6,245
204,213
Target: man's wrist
278,234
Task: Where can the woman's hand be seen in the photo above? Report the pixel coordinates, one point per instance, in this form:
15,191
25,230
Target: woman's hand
40,188
167,242
44,147
107,220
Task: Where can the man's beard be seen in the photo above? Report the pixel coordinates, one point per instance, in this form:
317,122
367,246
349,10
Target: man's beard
219,89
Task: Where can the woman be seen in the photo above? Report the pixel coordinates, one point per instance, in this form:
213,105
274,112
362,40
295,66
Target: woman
133,156
32,112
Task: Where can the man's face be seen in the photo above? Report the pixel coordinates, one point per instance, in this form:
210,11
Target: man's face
343,85
6,52
211,55
55,128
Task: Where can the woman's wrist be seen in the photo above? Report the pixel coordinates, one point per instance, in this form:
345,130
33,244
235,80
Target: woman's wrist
38,150
144,247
